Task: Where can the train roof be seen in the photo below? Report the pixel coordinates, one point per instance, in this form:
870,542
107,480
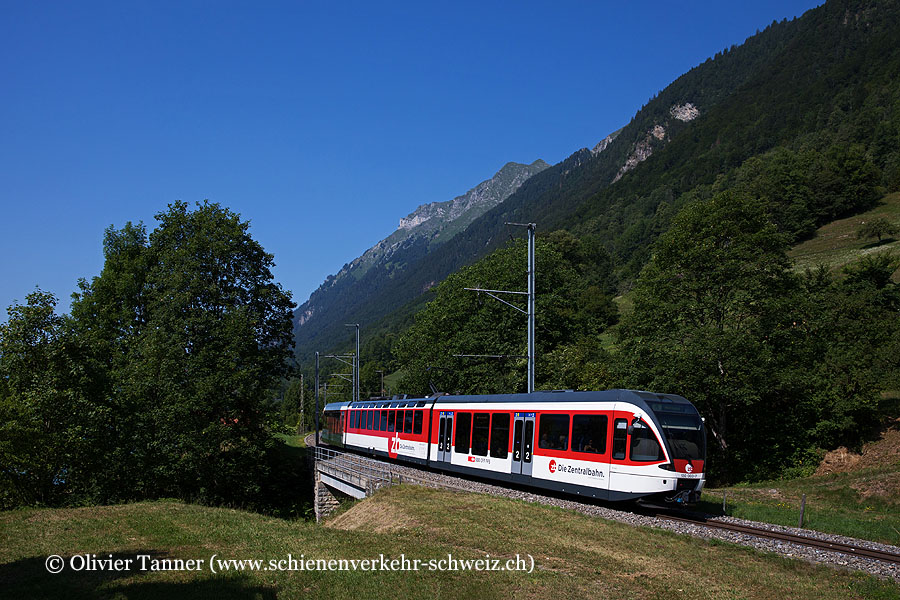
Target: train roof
649,401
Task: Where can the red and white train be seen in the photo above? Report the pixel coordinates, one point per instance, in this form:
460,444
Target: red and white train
610,445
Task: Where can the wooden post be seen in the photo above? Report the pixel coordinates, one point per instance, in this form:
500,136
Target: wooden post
802,509
724,496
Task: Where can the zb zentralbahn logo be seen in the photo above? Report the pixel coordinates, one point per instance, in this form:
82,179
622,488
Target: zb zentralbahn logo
556,467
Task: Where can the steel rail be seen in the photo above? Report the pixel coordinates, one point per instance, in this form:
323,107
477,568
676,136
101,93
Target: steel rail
802,540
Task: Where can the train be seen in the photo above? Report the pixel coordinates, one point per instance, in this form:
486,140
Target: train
614,445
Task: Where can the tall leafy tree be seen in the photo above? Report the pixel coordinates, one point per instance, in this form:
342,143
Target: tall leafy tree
46,428
712,321
194,332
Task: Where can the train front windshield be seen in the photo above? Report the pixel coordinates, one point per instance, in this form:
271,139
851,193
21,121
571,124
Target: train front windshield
683,429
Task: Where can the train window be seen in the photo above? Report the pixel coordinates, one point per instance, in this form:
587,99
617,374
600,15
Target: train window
421,404
500,435
391,416
417,423
554,432
480,430
441,434
463,430
408,421
619,438
377,425
589,433
384,420
644,445
370,419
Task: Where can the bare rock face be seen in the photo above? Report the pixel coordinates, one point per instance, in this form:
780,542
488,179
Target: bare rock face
643,148
684,112
605,142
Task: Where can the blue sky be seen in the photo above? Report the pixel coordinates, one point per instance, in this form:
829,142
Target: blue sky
321,123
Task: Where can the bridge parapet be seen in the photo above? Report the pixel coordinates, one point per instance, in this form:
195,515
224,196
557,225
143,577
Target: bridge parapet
343,474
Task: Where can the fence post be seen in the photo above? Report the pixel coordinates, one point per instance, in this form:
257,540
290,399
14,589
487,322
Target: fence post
802,509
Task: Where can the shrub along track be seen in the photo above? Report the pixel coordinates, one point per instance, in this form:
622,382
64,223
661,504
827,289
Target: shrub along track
876,559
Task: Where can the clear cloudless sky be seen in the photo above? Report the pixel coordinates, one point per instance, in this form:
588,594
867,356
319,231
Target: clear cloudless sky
322,123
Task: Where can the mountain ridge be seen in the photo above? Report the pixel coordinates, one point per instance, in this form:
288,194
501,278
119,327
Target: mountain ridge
430,224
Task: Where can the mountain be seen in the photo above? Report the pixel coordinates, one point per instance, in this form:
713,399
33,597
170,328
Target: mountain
817,96
417,234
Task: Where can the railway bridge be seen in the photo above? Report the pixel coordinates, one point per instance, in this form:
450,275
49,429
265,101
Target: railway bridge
341,475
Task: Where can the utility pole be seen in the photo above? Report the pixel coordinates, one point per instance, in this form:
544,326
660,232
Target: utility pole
355,363
302,406
317,399
531,269
529,312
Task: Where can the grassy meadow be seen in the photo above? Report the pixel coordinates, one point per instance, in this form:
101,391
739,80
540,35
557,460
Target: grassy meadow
836,244
575,556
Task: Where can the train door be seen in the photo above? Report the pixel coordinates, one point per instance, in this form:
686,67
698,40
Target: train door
445,433
523,443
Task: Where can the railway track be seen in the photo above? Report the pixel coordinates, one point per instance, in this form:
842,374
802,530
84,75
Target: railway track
875,559
792,538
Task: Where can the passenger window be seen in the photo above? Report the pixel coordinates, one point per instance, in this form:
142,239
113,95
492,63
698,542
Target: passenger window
644,445
480,429
554,432
377,424
619,439
417,423
408,422
384,420
463,431
500,435
589,433
391,416
370,419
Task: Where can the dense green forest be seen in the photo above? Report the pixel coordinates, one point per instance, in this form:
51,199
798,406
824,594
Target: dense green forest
158,383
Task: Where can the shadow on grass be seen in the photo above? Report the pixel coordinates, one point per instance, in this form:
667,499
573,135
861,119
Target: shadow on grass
884,242
288,489
29,578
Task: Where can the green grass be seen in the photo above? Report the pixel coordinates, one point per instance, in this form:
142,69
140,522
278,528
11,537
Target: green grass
294,441
863,504
392,381
575,556
836,245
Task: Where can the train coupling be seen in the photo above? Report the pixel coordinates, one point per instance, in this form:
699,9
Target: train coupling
684,497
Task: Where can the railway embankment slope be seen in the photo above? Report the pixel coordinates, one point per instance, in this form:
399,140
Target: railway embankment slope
574,555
